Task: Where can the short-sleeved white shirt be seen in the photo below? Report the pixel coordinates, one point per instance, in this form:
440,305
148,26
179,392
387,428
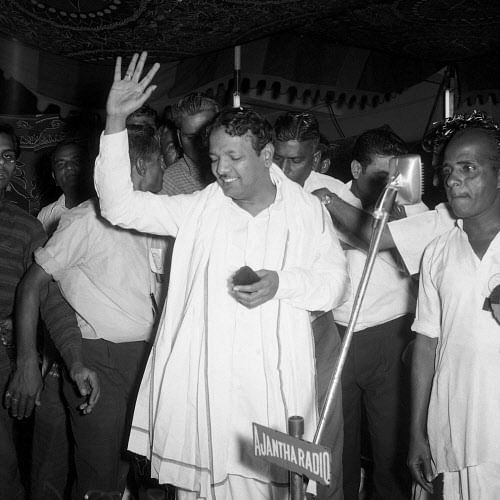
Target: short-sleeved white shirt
464,408
104,273
391,292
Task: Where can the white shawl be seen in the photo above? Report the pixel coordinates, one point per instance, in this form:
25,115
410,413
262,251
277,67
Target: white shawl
180,419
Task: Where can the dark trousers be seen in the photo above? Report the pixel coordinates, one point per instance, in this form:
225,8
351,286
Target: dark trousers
327,350
100,438
10,479
51,450
374,376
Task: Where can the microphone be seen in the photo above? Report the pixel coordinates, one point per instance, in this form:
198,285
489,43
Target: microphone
408,178
405,186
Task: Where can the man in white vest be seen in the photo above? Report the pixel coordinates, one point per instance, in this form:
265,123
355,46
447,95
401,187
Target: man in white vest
455,428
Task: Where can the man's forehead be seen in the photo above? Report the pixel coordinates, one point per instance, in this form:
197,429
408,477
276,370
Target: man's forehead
471,141
220,134
294,147
141,120
67,151
192,123
6,141
378,159
476,136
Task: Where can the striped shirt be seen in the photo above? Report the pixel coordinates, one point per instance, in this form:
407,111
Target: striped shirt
181,178
20,235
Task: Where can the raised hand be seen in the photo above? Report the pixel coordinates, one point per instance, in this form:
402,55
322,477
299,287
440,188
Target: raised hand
129,93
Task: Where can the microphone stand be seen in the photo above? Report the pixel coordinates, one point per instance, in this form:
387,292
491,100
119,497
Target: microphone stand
380,214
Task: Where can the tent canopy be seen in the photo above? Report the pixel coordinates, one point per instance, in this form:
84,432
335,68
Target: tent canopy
63,50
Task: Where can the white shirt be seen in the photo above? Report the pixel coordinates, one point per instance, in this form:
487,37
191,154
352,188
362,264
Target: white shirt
390,293
49,215
464,408
412,235
104,273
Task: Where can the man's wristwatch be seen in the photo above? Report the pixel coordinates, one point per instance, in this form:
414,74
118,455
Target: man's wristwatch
326,199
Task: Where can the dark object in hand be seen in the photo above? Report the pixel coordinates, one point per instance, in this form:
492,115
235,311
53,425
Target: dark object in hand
245,276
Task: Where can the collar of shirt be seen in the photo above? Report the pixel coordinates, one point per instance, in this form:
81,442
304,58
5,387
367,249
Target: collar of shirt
278,200
61,201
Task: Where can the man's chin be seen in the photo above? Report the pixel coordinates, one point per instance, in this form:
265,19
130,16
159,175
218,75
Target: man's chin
460,207
226,187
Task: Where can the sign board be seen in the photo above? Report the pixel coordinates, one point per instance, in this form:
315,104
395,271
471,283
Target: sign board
291,453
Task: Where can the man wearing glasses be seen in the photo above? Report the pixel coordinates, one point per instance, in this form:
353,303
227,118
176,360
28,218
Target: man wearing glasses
20,235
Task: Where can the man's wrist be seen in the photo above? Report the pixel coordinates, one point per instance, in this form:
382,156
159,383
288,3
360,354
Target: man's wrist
418,430
115,123
72,356
27,360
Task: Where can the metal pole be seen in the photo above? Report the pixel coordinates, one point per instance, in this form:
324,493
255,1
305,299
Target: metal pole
296,429
381,215
237,76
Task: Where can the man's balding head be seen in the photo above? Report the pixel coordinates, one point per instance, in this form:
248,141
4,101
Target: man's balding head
470,172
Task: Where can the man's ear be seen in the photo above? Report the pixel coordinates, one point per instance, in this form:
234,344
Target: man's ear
54,177
268,154
179,142
324,166
316,159
140,167
356,169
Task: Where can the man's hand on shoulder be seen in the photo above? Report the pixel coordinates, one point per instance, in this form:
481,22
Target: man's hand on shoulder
24,389
324,195
88,385
259,292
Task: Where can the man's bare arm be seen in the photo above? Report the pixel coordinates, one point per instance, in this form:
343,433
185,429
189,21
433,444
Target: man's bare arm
353,220
26,384
422,373
60,320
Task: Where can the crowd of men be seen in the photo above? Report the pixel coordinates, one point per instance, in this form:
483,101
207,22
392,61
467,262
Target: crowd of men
151,354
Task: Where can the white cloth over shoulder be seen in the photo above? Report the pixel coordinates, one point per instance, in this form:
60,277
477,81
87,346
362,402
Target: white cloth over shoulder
412,234
185,421
315,181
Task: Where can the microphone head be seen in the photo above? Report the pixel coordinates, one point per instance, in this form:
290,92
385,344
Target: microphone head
408,178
